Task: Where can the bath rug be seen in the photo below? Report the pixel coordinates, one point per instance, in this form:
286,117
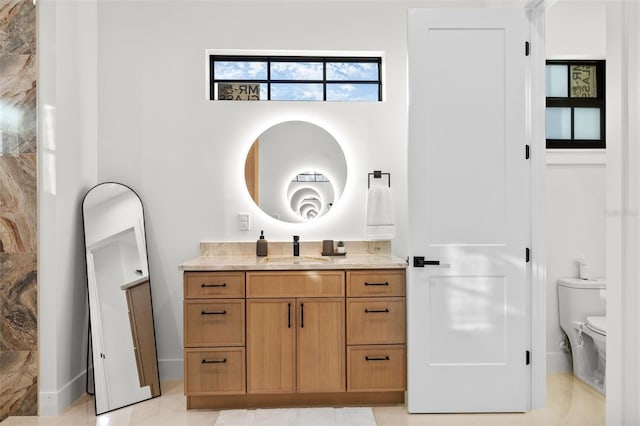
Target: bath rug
348,416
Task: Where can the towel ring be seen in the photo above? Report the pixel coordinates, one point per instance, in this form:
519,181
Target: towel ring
377,174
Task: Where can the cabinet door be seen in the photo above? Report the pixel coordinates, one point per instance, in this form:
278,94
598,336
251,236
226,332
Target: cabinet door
209,322
144,339
375,283
376,320
377,368
225,285
271,346
321,345
214,371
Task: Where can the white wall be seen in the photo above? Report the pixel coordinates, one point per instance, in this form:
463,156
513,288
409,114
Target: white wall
574,181
141,65
66,169
574,226
623,237
184,155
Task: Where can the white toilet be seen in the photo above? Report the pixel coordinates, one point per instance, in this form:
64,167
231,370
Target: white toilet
582,309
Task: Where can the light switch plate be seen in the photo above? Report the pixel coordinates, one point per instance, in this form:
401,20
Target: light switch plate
244,221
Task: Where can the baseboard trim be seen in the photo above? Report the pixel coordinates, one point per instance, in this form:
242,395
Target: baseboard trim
54,403
328,399
171,369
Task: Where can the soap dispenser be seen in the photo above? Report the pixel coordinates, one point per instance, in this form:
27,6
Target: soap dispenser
262,247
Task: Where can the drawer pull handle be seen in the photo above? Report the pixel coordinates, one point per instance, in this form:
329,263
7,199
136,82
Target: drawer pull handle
384,283
376,358
205,285
213,313
376,311
214,361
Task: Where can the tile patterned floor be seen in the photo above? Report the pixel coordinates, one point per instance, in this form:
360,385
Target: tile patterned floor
569,403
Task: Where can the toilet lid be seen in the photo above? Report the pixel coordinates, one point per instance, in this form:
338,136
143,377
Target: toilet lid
598,324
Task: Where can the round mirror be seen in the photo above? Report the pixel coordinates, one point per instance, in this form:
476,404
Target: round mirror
295,171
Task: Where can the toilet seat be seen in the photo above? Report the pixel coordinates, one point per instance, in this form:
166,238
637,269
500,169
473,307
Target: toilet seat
597,325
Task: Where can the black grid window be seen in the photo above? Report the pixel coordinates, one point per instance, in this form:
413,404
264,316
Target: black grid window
299,78
575,115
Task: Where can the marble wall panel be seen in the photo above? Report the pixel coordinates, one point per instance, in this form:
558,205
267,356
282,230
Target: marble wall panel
17,104
18,384
18,210
18,76
18,200
17,26
18,297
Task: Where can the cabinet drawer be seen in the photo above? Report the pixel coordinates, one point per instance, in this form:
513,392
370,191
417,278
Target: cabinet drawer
376,321
213,323
375,368
295,284
375,283
198,285
215,371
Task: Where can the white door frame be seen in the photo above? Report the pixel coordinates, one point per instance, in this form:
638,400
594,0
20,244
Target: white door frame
101,390
537,141
622,223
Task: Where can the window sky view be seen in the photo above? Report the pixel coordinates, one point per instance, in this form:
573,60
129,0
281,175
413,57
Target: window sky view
306,79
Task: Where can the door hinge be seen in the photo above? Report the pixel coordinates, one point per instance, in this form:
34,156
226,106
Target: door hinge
527,357
527,152
527,255
527,48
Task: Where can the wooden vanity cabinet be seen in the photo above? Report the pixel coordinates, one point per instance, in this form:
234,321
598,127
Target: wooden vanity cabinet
272,341
376,331
297,343
143,334
214,333
294,338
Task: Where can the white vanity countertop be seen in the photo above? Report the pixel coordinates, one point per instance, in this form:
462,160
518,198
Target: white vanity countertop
287,262
240,256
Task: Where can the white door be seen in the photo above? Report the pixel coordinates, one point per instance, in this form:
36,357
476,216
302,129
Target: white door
468,317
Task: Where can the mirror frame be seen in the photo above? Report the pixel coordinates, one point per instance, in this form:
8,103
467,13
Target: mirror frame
138,297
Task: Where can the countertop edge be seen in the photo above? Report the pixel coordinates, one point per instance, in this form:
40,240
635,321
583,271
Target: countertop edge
134,283
253,263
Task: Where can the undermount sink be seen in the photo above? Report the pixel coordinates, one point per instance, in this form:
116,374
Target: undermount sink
294,259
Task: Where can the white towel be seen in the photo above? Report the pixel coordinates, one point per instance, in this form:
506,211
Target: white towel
380,221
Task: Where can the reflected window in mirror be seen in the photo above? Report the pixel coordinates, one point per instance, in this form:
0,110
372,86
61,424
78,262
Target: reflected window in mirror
295,171
295,78
310,195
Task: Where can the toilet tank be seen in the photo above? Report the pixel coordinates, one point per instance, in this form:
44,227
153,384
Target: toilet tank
579,298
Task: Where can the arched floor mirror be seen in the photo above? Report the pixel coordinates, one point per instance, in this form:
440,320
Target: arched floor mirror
123,346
